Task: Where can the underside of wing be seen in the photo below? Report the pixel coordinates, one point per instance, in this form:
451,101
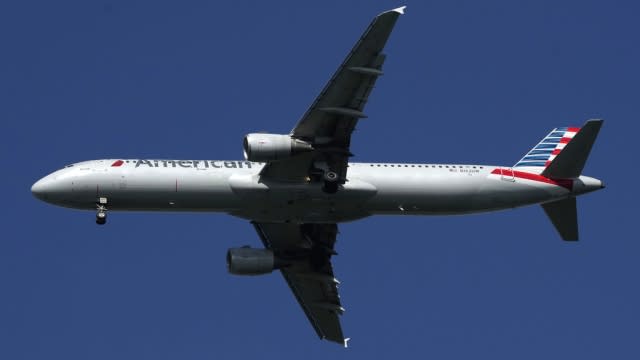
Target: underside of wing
328,123
305,251
343,98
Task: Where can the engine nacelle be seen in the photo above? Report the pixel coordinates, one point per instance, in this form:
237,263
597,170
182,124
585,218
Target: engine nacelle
248,261
272,147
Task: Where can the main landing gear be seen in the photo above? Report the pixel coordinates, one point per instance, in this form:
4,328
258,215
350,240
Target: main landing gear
330,182
101,215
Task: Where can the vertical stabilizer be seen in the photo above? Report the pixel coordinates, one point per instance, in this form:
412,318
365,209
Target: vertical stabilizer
564,216
562,155
570,162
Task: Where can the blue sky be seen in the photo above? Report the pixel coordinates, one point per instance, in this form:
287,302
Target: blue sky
465,81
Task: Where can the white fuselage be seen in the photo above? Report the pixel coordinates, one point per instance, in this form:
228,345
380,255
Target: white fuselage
233,187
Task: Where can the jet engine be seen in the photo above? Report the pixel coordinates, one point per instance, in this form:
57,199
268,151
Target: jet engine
248,261
272,147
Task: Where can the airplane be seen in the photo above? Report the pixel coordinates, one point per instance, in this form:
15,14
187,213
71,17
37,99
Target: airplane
295,188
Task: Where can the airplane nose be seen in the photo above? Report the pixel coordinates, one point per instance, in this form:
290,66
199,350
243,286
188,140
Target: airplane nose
55,188
39,189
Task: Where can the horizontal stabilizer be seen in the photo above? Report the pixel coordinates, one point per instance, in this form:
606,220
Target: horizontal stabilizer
570,162
564,216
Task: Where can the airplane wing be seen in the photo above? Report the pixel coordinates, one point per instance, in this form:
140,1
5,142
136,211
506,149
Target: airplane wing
306,250
330,120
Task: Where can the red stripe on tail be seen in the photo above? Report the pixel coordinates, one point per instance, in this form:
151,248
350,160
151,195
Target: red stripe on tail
565,183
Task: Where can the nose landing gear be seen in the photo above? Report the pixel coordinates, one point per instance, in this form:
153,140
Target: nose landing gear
101,215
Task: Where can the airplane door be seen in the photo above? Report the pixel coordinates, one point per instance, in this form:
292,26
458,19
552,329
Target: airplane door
507,175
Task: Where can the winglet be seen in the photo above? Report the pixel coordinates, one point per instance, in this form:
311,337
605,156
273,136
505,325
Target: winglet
399,10
346,342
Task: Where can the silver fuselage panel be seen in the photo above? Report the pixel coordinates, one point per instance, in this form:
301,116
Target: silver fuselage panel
234,187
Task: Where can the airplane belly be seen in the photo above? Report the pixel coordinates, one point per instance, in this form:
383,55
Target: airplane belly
159,189
272,201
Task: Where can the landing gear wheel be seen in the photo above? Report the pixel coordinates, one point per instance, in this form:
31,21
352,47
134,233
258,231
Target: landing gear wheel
101,218
330,182
101,215
330,176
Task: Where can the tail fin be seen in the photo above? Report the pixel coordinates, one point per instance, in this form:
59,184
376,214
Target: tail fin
568,155
564,216
570,162
562,153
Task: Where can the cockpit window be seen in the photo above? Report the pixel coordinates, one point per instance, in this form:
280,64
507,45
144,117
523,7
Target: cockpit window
68,166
